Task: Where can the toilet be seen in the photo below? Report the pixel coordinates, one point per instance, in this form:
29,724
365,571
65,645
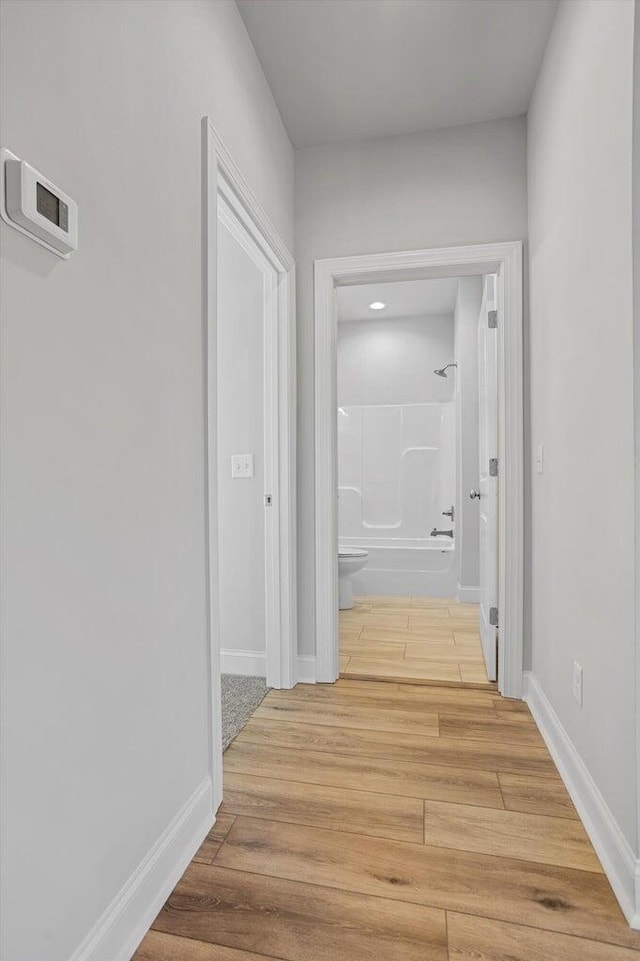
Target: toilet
350,561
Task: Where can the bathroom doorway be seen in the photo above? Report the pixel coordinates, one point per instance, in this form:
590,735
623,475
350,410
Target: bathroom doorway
409,495
408,432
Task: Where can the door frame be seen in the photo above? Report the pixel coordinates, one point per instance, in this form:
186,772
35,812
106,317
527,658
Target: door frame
505,259
224,185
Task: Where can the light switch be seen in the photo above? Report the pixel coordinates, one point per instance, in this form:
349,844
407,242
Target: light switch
540,459
241,465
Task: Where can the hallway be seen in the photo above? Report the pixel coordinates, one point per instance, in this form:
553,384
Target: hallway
405,822
419,640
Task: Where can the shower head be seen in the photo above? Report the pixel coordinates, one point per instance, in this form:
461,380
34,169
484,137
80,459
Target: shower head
442,371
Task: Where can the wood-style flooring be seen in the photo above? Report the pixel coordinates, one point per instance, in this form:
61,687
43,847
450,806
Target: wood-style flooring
400,822
417,640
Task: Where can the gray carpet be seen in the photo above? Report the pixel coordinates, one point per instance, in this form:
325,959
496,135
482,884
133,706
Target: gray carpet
240,698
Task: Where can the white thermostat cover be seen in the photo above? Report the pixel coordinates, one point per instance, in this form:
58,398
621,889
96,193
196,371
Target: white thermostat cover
36,207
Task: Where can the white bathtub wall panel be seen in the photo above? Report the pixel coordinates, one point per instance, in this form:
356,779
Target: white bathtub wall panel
396,469
382,467
349,445
396,476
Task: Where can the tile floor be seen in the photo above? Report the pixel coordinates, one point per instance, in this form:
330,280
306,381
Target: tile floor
413,639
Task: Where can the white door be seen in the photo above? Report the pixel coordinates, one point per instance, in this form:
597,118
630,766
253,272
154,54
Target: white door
248,513
488,471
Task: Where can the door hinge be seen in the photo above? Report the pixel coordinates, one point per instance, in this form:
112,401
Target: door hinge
493,616
268,500
492,319
493,467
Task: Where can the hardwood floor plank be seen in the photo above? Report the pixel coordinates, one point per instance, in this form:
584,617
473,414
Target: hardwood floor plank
207,851
474,674
512,704
350,684
536,795
486,729
290,921
397,601
372,619
531,837
425,618
211,844
380,775
353,716
444,654
360,812
479,939
466,637
432,639
473,755
423,670
393,650
525,892
435,614
439,635
166,947
222,826
432,702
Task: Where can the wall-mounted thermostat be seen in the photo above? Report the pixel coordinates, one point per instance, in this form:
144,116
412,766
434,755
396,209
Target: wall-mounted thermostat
36,207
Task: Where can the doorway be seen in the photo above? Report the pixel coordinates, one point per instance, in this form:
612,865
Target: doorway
416,379
505,262
249,332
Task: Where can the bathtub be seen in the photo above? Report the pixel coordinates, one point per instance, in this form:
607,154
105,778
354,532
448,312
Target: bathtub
418,567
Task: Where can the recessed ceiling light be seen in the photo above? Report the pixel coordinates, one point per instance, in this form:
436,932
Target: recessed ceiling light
377,305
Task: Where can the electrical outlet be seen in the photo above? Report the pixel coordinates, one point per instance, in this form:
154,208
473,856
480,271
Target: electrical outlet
577,683
241,465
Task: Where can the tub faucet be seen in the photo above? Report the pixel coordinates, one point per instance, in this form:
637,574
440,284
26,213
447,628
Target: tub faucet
435,533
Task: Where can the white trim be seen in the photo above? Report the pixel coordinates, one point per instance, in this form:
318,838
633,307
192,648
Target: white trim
244,663
307,673
468,595
616,855
506,260
125,922
221,179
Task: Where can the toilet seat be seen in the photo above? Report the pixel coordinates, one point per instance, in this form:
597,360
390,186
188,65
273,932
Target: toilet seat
352,552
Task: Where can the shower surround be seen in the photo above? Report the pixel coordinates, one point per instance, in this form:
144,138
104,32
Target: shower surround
396,477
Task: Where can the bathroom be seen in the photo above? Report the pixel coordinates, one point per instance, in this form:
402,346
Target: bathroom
408,477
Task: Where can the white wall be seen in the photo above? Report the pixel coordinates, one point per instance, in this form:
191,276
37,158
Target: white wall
458,186
466,353
240,431
391,361
103,541
581,350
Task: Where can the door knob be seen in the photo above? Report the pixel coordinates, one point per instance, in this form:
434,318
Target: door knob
475,495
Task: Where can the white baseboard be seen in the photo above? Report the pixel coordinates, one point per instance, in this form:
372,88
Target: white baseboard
245,663
616,855
119,931
306,669
468,595
254,664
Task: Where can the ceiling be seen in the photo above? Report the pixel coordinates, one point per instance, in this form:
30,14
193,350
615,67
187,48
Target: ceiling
408,298
360,69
